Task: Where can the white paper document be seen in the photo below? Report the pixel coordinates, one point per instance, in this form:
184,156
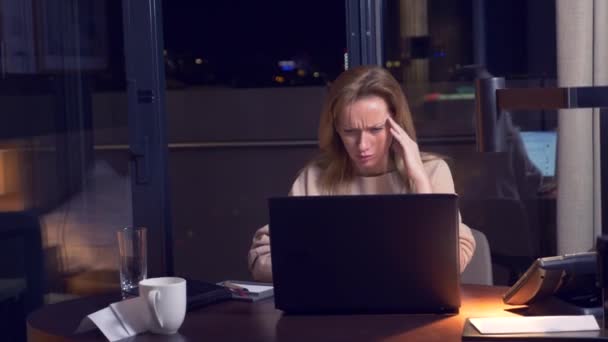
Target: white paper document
534,324
254,288
120,320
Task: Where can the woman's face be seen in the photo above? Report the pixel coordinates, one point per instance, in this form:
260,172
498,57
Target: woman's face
363,128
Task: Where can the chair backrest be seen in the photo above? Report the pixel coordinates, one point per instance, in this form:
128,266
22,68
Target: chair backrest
479,270
21,256
505,224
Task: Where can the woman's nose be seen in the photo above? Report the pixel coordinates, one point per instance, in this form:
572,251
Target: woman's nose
363,141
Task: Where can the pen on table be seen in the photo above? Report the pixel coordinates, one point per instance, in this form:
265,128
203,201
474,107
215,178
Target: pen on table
239,290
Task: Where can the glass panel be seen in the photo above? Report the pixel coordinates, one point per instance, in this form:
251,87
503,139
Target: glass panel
431,47
64,179
246,82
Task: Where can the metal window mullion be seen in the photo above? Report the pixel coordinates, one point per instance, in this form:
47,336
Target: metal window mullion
604,168
364,31
143,43
364,22
353,42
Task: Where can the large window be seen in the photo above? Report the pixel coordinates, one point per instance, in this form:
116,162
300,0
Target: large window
437,49
245,84
62,194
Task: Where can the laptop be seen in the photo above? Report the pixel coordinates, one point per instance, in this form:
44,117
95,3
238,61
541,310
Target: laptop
365,253
541,147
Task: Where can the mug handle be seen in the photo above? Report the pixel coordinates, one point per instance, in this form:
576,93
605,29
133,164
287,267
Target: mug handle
153,297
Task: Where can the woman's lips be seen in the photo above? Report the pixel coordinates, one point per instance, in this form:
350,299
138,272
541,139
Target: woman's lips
365,158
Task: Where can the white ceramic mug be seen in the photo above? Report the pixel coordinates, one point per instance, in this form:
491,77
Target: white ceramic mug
166,298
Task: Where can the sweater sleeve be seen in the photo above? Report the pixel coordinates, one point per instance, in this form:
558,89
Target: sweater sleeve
259,260
442,182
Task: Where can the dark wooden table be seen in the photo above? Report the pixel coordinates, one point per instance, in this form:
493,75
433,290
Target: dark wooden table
242,321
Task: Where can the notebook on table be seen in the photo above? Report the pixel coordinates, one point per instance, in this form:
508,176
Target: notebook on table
364,254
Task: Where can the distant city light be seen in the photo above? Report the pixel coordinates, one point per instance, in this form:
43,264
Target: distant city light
393,64
279,79
301,72
316,74
287,65
165,52
198,61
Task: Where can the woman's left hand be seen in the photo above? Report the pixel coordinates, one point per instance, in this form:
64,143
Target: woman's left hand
407,148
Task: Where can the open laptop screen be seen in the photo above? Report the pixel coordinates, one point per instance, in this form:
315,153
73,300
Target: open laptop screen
541,147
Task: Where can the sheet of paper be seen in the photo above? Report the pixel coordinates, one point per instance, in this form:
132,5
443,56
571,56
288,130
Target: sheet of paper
534,324
107,322
254,288
85,325
133,314
119,320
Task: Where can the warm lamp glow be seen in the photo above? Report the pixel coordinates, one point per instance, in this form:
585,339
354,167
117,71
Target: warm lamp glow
2,174
8,171
12,196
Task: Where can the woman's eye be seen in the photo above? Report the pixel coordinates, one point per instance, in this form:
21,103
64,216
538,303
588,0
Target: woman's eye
376,129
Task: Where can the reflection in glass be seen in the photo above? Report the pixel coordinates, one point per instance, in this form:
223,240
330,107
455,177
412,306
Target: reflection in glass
430,47
64,186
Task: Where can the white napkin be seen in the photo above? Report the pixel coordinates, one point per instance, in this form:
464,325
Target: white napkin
534,324
120,320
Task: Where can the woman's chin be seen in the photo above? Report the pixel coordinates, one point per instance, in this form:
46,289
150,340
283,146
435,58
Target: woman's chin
369,170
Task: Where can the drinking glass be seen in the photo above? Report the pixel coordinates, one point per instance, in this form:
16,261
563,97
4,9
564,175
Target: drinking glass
133,264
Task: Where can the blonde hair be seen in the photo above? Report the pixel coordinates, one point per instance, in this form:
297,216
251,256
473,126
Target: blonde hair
352,85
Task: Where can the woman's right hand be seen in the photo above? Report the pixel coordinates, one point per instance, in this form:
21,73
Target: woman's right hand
408,150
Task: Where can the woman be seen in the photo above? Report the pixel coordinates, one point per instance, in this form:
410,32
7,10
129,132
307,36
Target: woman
368,146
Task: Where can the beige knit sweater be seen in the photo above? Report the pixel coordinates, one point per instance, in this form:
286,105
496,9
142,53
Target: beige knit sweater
307,184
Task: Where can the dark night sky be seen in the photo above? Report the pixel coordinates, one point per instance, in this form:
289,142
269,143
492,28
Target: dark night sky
230,31
243,38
